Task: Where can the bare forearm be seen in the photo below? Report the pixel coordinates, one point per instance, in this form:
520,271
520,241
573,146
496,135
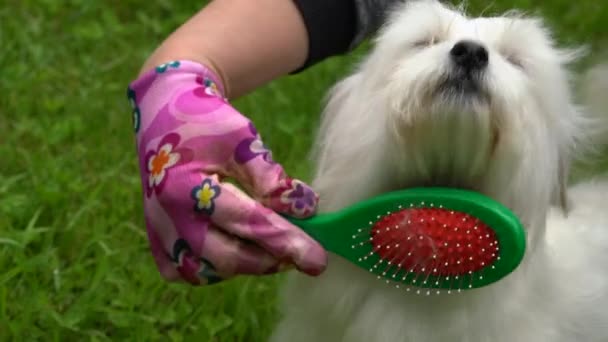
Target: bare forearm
248,43
251,42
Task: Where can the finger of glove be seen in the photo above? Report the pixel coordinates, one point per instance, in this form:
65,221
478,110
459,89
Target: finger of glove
266,179
238,214
230,255
185,242
222,257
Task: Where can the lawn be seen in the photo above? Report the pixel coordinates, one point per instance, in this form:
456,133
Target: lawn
74,258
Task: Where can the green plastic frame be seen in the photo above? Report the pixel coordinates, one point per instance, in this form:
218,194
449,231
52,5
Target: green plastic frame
336,231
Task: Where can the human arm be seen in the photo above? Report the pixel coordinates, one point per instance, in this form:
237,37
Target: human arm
250,43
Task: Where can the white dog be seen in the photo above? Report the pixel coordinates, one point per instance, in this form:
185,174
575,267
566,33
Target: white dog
483,104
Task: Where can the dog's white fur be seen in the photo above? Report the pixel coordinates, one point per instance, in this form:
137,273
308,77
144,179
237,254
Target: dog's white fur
391,125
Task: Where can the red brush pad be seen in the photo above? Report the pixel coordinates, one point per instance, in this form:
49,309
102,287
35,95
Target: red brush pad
434,241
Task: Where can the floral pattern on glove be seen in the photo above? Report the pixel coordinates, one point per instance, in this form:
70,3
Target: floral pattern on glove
193,270
298,198
136,113
209,86
252,147
204,195
158,162
163,67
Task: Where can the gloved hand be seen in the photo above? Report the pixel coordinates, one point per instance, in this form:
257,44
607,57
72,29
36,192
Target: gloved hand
201,228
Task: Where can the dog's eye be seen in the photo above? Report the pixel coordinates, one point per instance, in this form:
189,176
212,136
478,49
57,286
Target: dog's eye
422,43
515,61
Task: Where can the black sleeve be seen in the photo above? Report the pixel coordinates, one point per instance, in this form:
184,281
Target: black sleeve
338,26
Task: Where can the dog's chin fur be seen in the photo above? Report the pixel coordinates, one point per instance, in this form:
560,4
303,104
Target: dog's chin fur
406,118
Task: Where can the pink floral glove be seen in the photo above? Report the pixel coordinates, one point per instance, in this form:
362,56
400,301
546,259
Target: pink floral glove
202,229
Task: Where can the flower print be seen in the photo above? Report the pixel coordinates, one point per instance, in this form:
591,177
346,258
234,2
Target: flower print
211,87
252,147
204,195
208,88
136,113
160,161
192,269
207,271
301,199
163,67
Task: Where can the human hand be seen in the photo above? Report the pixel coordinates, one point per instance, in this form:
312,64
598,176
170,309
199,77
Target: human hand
201,228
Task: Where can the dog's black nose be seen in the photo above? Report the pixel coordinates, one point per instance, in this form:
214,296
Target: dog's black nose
469,55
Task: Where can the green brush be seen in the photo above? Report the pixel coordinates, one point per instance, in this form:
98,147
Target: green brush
433,238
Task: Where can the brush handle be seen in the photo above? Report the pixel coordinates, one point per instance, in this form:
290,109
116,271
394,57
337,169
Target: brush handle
321,227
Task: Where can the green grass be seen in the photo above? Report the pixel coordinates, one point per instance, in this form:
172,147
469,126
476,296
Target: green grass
73,255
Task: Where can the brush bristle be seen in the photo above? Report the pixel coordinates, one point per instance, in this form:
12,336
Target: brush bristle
434,242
